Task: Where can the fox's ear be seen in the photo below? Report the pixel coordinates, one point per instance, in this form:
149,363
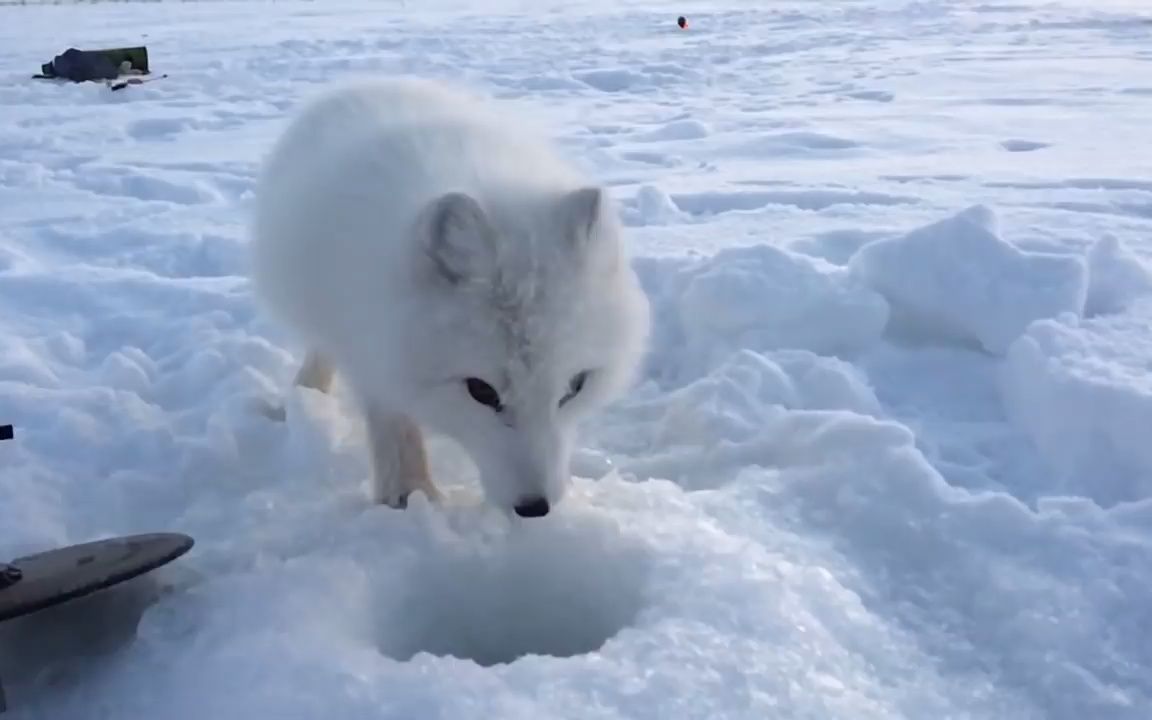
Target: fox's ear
583,212
459,242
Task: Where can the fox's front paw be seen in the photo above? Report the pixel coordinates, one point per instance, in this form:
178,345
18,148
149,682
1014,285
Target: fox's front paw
400,502
386,491
397,496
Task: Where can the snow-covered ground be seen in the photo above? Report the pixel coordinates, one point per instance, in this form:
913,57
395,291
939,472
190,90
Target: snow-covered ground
892,456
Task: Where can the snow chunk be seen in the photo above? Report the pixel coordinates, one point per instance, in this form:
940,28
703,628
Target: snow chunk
20,362
732,408
734,402
613,80
765,298
686,129
1082,390
654,207
957,279
1116,277
974,574
123,371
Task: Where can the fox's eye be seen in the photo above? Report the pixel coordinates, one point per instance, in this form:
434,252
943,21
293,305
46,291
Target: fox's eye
575,385
483,393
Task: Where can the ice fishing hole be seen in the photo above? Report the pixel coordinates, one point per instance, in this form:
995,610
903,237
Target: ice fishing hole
559,593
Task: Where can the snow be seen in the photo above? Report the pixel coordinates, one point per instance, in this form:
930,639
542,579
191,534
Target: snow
957,279
1117,277
887,458
762,298
1082,390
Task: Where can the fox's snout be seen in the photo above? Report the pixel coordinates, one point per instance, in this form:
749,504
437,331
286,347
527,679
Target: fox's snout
532,507
528,475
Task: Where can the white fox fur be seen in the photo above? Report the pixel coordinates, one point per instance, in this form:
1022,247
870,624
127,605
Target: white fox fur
415,237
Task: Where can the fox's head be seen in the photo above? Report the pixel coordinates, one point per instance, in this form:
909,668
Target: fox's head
527,317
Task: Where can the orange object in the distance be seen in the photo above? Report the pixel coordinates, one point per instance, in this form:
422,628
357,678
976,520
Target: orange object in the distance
682,22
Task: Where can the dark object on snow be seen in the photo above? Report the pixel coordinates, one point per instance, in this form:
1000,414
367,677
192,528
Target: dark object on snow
6,432
9,574
52,577
49,578
682,22
121,84
83,65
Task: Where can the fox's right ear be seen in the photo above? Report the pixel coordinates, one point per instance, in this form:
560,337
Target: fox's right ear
458,240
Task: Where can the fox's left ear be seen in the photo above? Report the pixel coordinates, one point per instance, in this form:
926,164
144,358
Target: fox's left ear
584,212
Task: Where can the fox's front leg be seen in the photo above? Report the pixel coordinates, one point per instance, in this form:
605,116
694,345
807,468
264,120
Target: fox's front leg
316,372
399,462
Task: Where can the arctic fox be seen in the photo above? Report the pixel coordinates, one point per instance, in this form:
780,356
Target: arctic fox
458,274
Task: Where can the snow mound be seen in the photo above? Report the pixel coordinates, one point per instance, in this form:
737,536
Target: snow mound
975,574
689,605
686,129
765,298
1116,277
613,80
791,518
653,206
970,573
1082,390
958,280
718,417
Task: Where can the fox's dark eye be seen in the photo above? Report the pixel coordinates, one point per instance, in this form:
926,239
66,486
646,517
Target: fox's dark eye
483,393
575,385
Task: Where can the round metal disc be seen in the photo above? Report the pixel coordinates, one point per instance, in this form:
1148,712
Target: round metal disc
56,576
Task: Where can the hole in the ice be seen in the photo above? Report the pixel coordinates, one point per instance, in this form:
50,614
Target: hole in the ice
559,594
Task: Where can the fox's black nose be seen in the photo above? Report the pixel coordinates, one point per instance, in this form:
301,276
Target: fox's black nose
532,507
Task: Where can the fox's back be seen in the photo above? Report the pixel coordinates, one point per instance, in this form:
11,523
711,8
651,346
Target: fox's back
341,189
405,141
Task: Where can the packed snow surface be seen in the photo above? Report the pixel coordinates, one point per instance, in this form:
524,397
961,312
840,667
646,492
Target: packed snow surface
890,456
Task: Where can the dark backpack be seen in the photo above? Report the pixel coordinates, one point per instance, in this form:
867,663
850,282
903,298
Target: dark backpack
79,66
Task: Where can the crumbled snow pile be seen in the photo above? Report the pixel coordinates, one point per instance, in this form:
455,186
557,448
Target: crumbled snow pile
957,279
1117,277
1083,391
714,422
765,298
887,458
